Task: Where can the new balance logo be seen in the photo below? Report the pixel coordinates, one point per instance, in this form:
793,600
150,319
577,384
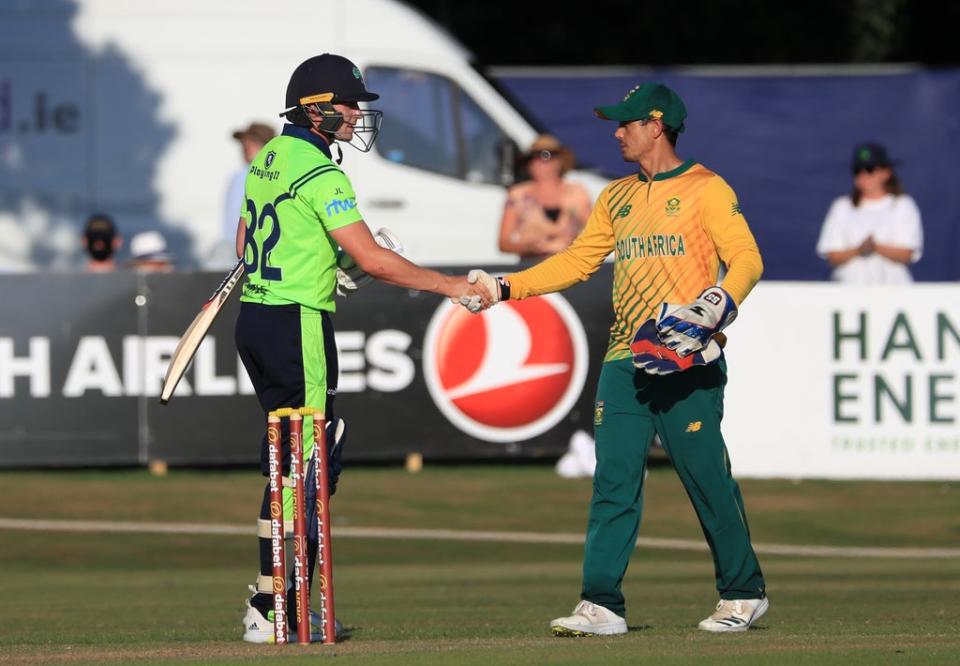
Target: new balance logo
694,426
712,297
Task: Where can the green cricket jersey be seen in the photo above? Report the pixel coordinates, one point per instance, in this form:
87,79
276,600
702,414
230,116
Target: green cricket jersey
295,196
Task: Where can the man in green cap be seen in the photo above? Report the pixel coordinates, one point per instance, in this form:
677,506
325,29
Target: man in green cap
670,226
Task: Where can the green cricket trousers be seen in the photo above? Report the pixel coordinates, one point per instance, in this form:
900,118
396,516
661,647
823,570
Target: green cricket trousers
684,409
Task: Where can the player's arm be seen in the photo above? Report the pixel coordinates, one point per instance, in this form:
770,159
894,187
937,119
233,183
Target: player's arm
241,236
346,226
689,328
574,264
388,266
736,247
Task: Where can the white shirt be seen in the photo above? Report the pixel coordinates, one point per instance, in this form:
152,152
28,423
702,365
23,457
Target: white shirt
891,220
234,202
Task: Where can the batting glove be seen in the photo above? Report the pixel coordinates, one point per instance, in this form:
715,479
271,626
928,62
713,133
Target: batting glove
688,328
653,358
351,277
497,290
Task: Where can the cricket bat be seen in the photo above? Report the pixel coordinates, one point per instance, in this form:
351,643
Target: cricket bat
197,331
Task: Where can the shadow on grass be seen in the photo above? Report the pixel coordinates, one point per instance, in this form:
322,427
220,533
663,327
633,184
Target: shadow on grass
639,627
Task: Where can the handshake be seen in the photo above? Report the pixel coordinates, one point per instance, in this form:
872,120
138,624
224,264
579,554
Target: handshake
483,291
476,291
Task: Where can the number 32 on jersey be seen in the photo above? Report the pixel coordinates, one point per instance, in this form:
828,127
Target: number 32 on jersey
254,257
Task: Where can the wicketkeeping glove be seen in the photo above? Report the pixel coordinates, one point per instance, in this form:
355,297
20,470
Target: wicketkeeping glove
652,357
688,328
351,277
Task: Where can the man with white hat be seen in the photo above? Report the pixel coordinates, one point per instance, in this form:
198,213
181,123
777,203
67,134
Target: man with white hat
148,252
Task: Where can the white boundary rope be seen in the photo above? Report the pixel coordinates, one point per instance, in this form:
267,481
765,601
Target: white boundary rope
568,538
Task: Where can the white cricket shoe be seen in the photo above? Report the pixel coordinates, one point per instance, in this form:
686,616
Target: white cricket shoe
735,614
259,629
256,628
589,619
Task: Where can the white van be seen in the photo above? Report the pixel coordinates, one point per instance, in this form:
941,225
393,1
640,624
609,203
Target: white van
128,107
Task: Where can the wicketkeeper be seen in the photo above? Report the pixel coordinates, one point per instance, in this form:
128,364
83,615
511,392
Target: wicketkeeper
670,227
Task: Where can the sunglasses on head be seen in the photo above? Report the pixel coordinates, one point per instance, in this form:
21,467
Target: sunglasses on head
544,155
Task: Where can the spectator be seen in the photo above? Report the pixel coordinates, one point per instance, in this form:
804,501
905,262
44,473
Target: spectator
873,234
251,139
544,214
101,242
148,251
541,217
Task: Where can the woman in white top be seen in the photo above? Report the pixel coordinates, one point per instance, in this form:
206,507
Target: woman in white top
872,235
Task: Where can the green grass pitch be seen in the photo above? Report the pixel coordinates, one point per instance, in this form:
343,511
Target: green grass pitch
89,597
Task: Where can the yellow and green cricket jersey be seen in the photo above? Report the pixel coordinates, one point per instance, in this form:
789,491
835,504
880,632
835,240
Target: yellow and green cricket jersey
669,236
295,196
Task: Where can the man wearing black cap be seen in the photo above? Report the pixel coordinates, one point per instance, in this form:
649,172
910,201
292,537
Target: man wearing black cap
872,235
670,226
101,242
299,207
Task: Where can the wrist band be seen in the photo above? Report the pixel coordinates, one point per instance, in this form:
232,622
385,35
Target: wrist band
504,289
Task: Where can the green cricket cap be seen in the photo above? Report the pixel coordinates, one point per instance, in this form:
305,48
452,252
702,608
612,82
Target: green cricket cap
646,101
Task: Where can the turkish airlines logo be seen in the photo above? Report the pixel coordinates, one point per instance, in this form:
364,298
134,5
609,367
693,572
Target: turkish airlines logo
510,373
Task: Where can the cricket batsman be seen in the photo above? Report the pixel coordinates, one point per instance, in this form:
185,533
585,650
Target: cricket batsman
670,226
299,208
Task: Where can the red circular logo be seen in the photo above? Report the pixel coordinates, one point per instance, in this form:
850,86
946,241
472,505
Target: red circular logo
510,373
